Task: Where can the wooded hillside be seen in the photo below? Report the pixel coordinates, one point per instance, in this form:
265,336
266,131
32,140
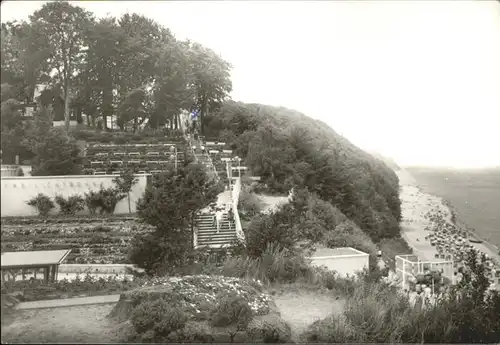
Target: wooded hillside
286,149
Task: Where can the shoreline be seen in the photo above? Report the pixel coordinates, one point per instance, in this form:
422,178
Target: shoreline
424,215
462,224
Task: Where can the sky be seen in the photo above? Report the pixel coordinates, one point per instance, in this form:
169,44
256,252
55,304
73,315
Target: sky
418,81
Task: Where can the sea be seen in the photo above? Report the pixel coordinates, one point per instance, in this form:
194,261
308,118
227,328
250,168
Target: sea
473,194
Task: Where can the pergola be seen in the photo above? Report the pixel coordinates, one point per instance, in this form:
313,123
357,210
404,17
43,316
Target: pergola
46,260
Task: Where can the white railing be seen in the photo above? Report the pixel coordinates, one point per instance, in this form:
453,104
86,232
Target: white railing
235,193
195,236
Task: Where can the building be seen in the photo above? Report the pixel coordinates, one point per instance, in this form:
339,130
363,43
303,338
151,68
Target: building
345,261
42,264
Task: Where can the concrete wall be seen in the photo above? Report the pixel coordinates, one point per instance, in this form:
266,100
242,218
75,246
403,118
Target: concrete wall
344,265
16,191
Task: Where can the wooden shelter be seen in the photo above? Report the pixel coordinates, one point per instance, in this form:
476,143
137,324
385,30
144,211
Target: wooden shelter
47,261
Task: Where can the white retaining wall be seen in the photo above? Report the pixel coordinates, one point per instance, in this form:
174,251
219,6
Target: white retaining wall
16,191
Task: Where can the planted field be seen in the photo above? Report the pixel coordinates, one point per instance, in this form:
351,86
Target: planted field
92,240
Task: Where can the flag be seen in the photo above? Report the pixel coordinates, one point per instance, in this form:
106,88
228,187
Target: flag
194,114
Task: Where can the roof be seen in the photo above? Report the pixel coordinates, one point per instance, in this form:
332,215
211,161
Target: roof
327,252
34,258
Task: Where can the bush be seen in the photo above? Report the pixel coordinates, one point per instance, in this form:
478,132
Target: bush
19,171
104,201
154,321
249,204
467,313
92,201
71,205
43,204
271,229
232,310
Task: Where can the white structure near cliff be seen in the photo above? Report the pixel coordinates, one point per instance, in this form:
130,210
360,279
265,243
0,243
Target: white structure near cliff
345,261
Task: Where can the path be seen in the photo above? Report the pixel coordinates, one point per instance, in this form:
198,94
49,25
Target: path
68,302
302,308
75,324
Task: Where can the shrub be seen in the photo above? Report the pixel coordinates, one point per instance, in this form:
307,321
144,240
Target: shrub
271,229
232,310
43,204
92,201
153,321
71,205
468,313
249,204
104,200
19,171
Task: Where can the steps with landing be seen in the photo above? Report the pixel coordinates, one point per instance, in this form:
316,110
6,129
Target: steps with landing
207,234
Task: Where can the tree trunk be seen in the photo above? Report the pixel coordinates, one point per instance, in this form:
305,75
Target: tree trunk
107,105
204,108
129,207
66,109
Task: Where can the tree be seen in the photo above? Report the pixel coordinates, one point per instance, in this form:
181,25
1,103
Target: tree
170,205
124,183
98,82
24,55
56,152
211,80
135,107
171,89
13,129
64,27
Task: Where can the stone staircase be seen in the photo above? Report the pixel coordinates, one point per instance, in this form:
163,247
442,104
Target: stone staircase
207,231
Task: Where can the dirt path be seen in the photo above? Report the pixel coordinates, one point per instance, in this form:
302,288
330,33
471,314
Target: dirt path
69,302
302,308
80,324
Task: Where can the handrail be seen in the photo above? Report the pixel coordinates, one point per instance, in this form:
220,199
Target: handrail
235,194
195,237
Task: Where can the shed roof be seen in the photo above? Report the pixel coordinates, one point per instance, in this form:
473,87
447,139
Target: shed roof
323,252
34,258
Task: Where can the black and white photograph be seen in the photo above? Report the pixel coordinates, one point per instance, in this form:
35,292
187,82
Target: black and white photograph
253,172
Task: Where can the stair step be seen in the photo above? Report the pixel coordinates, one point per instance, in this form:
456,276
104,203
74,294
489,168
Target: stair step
215,243
213,231
210,230
213,228
216,239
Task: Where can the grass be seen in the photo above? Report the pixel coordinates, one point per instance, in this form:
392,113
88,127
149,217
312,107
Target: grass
474,195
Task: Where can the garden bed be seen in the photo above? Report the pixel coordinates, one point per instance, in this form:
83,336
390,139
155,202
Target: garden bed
92,240
200,308
37,290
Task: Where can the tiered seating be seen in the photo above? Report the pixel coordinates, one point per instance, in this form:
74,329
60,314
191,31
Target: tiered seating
104,159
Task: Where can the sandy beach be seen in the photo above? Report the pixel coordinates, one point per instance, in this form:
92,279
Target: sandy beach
424,215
